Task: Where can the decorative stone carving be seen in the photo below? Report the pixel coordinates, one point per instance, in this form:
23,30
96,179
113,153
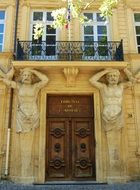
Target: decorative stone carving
27,117
112,116
6,71
71,74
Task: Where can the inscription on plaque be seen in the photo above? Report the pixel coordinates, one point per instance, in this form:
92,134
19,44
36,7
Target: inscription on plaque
71,106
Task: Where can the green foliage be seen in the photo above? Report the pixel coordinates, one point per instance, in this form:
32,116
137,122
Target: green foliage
76,8
106,7
38,31
60,15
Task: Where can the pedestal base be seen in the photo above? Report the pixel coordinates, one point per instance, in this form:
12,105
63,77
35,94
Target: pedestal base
116,179
25,180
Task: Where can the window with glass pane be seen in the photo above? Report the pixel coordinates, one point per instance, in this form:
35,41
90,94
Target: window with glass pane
95,32
49,16
137,17
50,40
89,16
137,29
37,16
45,45
2,25
100,18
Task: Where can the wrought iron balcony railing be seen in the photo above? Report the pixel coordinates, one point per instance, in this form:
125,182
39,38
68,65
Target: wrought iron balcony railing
69,51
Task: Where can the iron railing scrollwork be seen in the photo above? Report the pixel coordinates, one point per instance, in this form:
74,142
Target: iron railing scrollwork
69,51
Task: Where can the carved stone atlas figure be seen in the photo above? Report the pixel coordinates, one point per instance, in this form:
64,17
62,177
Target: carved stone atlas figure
112,115
27,117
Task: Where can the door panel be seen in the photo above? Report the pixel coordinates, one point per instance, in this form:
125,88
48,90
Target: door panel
70,152
70,149
58,161
83,148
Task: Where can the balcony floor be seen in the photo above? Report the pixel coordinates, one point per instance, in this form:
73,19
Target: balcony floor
92,65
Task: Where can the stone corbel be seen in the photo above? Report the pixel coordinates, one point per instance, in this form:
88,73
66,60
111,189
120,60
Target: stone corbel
70,75
138,153
2,154
25,3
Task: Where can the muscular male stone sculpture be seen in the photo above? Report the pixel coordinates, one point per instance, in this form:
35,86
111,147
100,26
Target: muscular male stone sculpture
112,94
27,116
112,116
27,110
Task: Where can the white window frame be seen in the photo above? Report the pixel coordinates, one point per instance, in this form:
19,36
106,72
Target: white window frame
44,22
95,25
3,22
136,24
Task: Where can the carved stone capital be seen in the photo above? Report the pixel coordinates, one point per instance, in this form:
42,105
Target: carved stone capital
71,74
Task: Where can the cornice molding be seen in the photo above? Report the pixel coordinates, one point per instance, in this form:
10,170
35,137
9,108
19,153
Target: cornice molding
7,55
132,56
42,3
54,4
7,3
133,4
81,65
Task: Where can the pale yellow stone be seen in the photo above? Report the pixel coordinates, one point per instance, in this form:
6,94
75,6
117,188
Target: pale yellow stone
121,27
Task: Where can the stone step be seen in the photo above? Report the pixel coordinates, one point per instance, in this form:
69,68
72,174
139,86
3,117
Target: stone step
62,186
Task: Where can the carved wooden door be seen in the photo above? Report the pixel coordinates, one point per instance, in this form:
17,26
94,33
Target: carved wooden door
70,149
70,153
58,149
83,148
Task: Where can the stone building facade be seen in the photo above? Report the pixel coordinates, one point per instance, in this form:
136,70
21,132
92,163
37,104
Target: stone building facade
65,138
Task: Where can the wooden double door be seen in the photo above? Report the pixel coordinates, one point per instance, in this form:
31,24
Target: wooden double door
70,152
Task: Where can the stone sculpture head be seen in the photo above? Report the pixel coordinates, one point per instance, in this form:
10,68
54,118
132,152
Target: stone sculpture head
26,76
113,77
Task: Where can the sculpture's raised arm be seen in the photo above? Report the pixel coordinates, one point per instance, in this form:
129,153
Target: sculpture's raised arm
94,80
43,78
131,78
10,83
2,74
